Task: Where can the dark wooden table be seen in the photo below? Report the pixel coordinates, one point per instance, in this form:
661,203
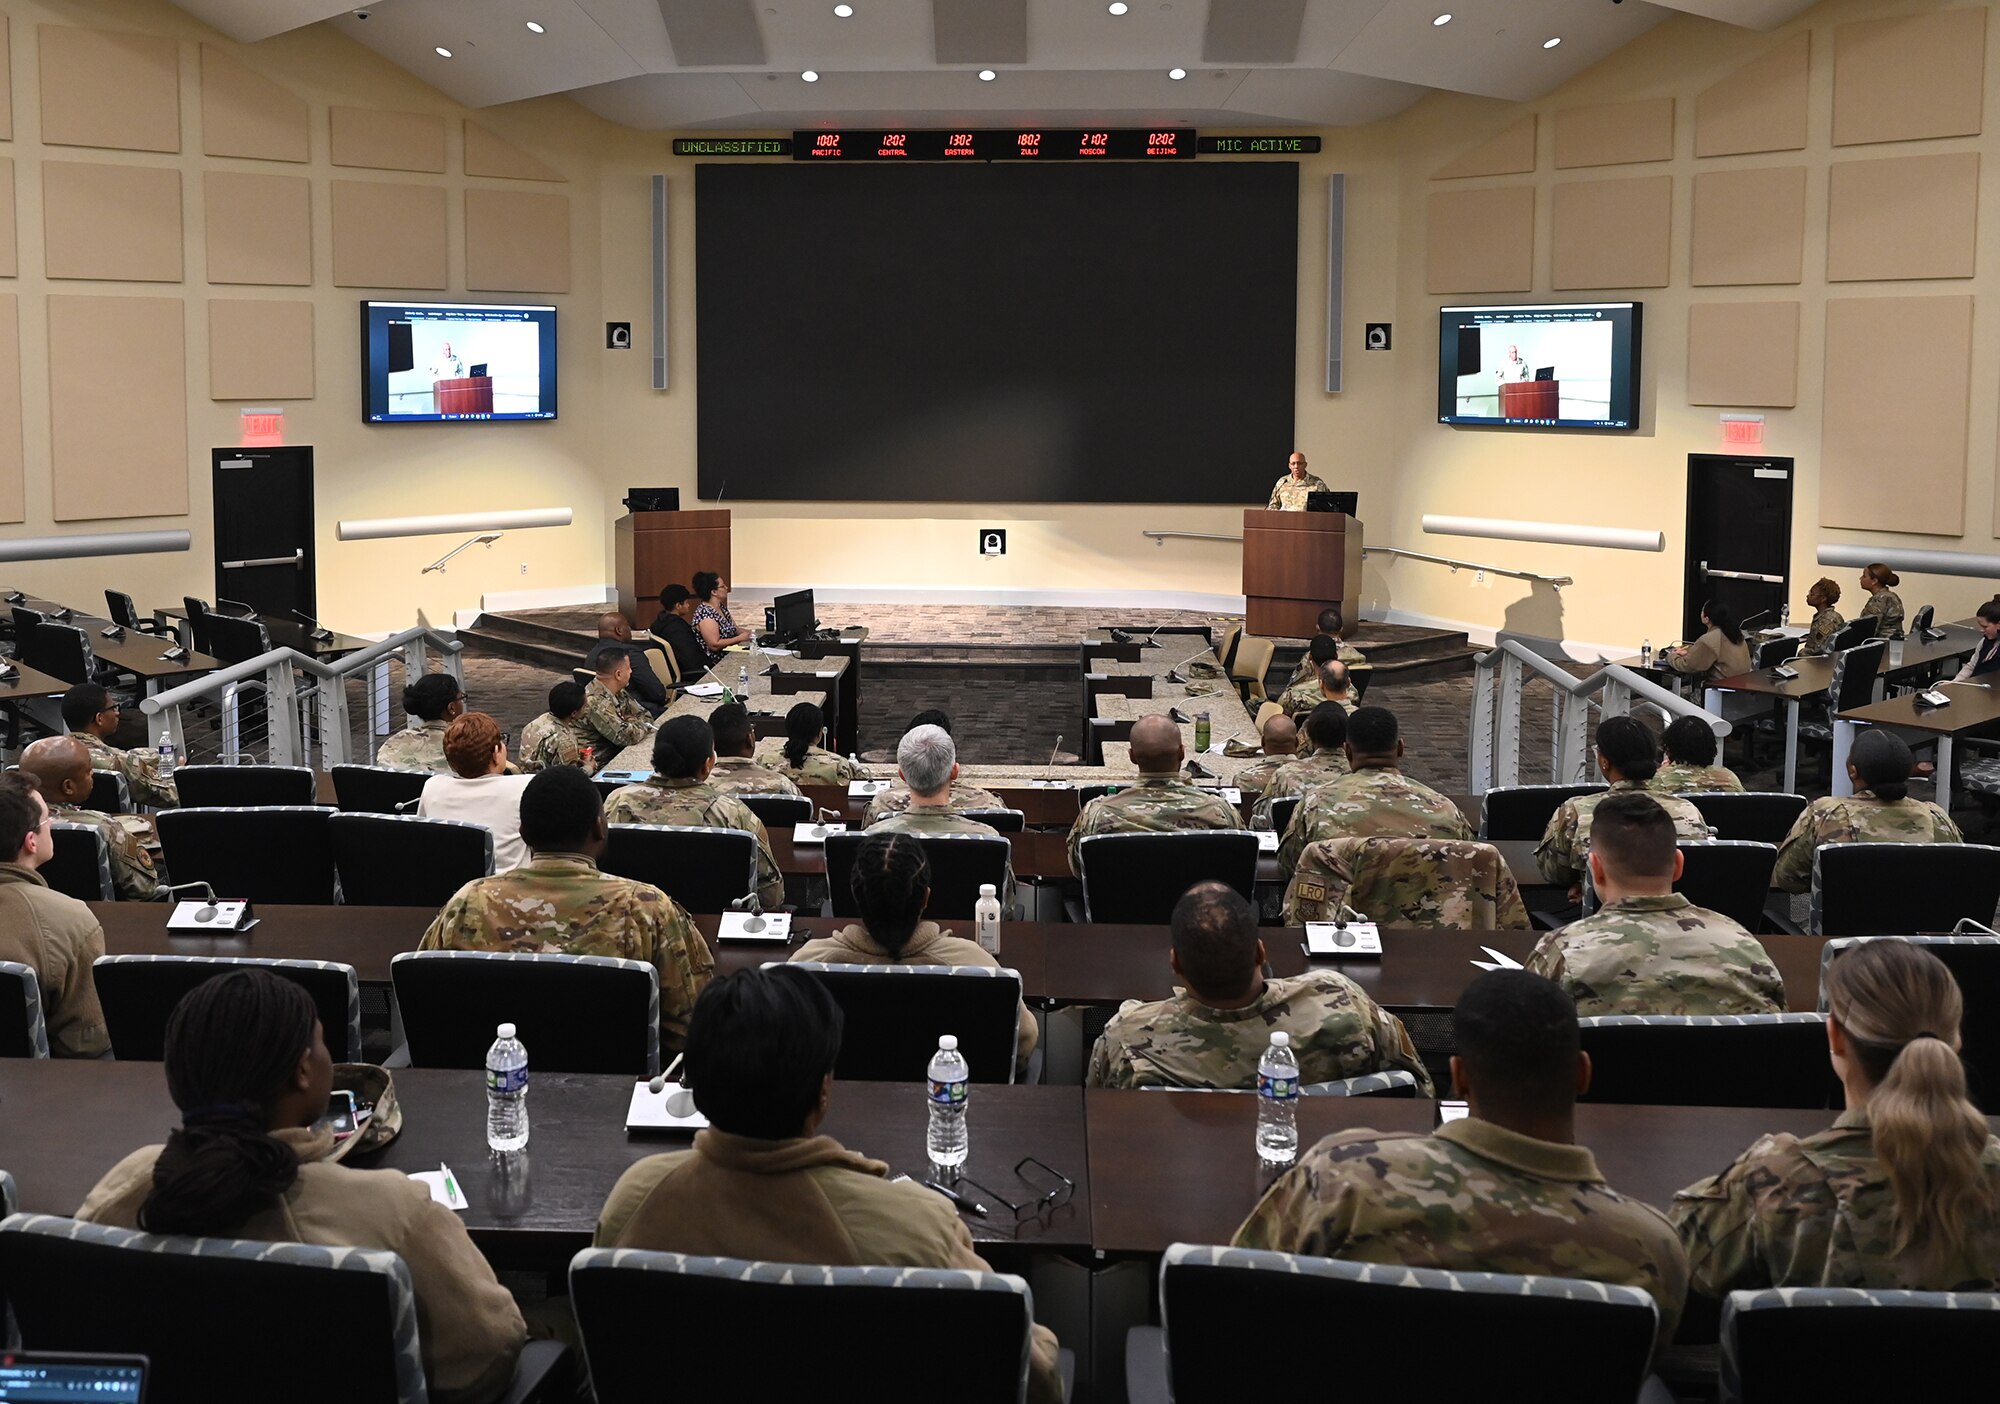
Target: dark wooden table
64,1123
28,683
136,653
1974,710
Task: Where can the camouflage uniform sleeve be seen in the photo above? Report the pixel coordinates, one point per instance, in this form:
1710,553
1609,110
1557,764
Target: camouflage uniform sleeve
685,964
1555,855
1793,872
1304,1211
1297,834
1081,829
142,774
1317,887
1275,504
770,882
604,716
1395,1052
132,871
1945,827
1546,960
1716,1219
1511,913
457,920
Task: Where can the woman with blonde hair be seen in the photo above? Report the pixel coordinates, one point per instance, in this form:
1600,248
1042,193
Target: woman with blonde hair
1902,1192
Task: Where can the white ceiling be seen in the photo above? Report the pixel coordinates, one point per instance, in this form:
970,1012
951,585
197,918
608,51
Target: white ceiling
1350,61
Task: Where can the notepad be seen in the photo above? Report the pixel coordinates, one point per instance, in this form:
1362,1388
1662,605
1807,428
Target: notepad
1356,939
648,1111
703,689
441,1188
1267,840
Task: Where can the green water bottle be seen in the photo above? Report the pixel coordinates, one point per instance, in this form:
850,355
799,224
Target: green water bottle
1201,731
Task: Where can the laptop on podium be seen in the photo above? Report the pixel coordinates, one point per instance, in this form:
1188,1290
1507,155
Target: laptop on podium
1332,502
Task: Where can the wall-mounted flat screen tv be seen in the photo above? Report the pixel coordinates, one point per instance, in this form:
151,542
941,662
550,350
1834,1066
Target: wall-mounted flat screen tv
1567,365
435,362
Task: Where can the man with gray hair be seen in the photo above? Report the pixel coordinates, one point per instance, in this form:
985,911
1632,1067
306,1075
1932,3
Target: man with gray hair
927,761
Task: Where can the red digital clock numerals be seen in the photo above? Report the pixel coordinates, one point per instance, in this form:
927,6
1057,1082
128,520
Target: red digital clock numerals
1163,144
960,144
1028,143
894,144
1094,144
824,145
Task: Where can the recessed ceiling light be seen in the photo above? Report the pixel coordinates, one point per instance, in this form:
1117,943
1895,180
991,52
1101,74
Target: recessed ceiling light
987,75
443,52
1177,74
1118,7
534,28
1441,19
810,76
844,11
1551,43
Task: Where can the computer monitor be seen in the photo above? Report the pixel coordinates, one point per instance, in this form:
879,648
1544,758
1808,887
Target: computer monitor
50,1377
1332,502
1545,372
793,617
477,369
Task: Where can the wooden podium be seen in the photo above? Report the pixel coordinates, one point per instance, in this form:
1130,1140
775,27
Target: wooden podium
1531,399
468,394
656,549
1294,565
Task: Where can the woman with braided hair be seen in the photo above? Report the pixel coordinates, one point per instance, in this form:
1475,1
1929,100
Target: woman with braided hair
891,887
247,1064
1902,1192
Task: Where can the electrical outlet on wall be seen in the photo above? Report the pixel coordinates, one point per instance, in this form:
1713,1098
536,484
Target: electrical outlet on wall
524,567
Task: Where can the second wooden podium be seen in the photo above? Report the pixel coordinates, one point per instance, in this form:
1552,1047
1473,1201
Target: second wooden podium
656,549
1294,565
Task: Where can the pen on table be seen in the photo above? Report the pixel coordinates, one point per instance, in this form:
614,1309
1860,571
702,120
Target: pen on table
450,1185
955,1197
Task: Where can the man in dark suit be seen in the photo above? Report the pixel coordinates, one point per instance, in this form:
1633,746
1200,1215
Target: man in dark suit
614,630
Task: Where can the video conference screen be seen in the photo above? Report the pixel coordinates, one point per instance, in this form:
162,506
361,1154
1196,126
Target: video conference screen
436,361
1555,366
996,333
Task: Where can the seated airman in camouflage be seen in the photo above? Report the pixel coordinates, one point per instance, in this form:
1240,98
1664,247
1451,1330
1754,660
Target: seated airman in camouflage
1161,802
896,798
1332,626
612,717
1503,1189
91,713
1647,949
1375,798
1453,884
1220,1020
434,701
1279,738
60,769
1879,811
737,770
1902,1192
800,757
679,793
1628,758
1308,692
550,739
559,902
927,762
1326,759
1826,623
1691,769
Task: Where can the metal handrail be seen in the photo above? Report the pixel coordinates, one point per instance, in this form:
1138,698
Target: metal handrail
1495,734
1160,537
1457,565
277,671
487,537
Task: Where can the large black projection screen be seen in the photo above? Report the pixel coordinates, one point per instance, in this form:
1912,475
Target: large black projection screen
999,333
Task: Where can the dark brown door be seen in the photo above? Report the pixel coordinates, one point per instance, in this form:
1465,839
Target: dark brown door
1739,537
264,529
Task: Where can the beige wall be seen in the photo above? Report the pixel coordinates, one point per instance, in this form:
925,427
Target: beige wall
1379,436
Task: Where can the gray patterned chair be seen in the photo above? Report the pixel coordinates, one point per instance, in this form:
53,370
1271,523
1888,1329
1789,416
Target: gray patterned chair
239,785
1395,1083
959,864
779,811
702,867
1786,1343
894,1014
80,866
1731,876
959,1335
1974,961
1514,812
1709,1060
89,1287
1121,872
1218,1303
575,1014
23,1034
377,789
109,794
274,853
1888,889
401,860
1761,816
139,993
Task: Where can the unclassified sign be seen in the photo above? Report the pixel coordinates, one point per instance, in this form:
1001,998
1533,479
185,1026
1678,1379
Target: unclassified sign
1257,146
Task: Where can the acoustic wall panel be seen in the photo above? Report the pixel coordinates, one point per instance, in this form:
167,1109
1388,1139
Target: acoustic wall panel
1749,226
1743,353
117,407
389,236
259,350
1511,152
1759,107
6,84
1905,217
1893,433
387,141
259,228
1480,240
111,222
243,113
516,241
101,88
1615,133
489,155
1910,77
1612,233
10,245
13,471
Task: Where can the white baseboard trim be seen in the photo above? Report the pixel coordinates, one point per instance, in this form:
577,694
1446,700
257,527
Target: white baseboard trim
1199,601
1483,635
554,597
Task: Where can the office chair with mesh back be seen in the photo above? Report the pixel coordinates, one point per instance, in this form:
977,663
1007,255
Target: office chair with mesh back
377,789
401,860
580,1014
893,1015
1798,1342
125,613
261,853
702,867
1730,876
779,811
139,994
23,1033
1762,816
1709,1060
79,865
1513,812
218,785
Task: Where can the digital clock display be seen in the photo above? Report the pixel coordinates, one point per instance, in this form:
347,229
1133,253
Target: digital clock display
1014,144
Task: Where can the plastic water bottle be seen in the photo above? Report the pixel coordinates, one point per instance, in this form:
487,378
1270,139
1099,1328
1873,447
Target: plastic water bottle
1645,653
946,1139
986,919
1278,1102
166,754
1785,615
506,1093
742,679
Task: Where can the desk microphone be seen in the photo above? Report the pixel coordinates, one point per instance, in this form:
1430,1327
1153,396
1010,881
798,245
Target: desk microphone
1152,640
721,490
749,903
1746,623
206,913
1057,751
319,631
65,614
17,597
